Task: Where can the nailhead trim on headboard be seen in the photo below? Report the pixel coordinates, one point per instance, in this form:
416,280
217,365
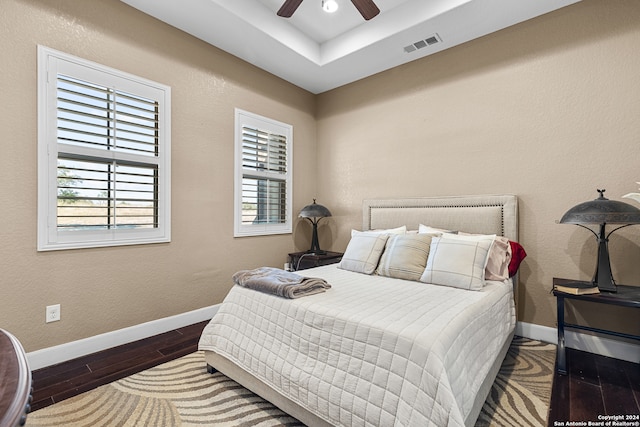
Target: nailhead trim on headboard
506,203
501,206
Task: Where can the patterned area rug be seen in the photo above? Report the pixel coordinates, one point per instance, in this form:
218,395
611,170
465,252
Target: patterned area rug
182,393
522,390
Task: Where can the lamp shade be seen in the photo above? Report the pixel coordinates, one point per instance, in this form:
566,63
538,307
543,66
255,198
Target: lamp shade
602,211
314,213
314,210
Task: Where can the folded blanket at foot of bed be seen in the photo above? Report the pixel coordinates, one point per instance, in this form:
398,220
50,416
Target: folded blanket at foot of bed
280,282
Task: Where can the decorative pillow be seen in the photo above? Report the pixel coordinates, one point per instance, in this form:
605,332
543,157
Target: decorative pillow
405,256
517,255
363,252
398,230
499,258
426,229
458,261
498,261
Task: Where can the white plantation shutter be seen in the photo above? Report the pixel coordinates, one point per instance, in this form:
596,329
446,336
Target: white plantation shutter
109,192
103,118
264,164
106,195
263,176
104,156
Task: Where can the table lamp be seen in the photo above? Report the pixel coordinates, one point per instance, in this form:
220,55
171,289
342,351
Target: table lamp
314,213
602,211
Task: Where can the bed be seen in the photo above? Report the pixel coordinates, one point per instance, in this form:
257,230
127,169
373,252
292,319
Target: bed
375,349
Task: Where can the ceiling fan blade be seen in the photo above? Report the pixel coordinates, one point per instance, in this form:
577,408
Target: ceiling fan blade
288,8
367,8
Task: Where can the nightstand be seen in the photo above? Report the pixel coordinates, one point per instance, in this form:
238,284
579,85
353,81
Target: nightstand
627,296
304,260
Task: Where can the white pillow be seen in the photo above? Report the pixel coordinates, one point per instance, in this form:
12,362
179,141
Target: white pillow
458,261
432,230
398,230
363,252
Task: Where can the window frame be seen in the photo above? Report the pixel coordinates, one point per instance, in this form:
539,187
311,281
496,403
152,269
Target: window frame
248,119
50,236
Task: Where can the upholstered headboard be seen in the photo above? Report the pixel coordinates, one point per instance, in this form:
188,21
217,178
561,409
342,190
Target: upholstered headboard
484,214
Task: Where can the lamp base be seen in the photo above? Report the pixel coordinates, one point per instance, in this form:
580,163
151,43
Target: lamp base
315,252
606,287
315,246
603,277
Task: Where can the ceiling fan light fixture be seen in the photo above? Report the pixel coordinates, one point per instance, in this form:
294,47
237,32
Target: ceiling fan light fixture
329,6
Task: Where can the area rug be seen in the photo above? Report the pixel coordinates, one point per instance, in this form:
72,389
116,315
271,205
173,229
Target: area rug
182,393
522,390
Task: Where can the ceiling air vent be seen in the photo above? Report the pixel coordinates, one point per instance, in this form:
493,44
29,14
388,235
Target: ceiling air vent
431,40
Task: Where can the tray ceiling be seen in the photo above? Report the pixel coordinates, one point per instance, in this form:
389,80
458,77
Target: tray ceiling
319,51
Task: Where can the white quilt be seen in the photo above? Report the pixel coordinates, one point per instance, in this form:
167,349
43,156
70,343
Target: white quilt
372,350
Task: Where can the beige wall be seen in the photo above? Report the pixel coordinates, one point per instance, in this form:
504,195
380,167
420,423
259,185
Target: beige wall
102,290
548,110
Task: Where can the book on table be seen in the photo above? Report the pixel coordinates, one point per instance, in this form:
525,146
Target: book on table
578,288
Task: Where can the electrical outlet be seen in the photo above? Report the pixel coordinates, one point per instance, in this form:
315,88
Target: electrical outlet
53,313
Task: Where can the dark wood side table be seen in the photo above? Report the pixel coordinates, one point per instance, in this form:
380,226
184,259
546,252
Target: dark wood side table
15,382
304,260
627,296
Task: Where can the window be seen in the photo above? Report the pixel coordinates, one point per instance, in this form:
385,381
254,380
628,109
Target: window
263,175
103,155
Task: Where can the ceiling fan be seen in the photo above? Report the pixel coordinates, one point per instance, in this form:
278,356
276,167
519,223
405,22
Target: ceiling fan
367,8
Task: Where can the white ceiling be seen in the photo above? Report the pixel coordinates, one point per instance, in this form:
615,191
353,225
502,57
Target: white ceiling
319,51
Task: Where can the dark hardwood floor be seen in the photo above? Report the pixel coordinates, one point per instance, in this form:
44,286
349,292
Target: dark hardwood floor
595,385
58,382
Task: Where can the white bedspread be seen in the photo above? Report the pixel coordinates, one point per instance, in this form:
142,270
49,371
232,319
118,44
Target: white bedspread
371,351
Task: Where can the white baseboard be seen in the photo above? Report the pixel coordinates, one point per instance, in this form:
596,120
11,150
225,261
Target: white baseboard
593,344
71,350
